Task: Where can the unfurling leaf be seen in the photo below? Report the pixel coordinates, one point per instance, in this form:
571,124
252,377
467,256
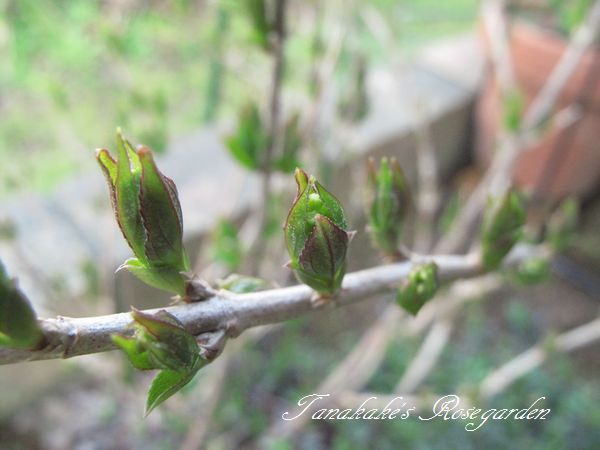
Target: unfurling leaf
161,342
18,324
420,287
388,201
502,227
148,212
167,383
316,236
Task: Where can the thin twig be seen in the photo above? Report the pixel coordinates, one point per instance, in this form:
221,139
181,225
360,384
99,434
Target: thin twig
503,377
497,177
498,380
427,356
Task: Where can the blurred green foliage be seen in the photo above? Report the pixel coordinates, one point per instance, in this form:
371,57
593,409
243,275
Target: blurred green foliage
72,71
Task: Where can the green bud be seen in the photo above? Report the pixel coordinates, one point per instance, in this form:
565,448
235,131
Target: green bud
249,142
502,227
388,202
316,236
562,224
532,271
148,212
420,287
160,342
18,323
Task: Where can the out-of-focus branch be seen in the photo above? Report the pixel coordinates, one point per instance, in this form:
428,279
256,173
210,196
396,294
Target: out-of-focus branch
212,390
497,177
427,357
498,380
581,41
428,198
357,367
501,378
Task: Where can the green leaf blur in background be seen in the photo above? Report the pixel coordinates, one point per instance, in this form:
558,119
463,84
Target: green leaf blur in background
226,246
388,203
502,227
58,61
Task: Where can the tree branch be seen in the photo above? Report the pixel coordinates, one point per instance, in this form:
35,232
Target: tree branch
234,313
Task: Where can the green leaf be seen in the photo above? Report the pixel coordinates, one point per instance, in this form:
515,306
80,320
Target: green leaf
161,214
261,27
127,188
167,383
161,277
135,353
249,142
18,323
226,245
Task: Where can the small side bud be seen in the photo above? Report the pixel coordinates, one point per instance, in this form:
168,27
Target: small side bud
502,228
388,201
420,286
532,271
160,342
